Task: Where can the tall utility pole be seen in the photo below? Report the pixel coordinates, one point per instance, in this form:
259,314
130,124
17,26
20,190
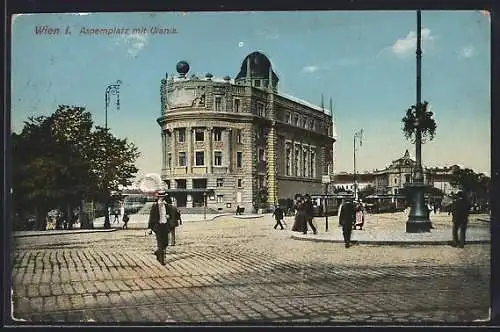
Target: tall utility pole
357,135
111,89
418,219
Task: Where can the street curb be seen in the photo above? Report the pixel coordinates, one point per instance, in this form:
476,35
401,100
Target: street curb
389,242
255,216
49,233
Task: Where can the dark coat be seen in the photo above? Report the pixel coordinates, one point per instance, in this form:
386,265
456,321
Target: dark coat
154,216
278,213
347,215
460,210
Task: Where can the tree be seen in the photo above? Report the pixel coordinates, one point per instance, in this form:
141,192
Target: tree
366,191
419,118
112,165
475,185
57,162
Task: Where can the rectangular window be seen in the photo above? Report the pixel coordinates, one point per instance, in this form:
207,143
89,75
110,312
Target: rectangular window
181,183
240,183
199,135
311,124
239,159
238,136
257,83
304,122
296,120
262,155
220,182
200,158
182,159
182,135
217,135
220,198
169,162
288,117
218,103
237,105
218,158
261,109
407,177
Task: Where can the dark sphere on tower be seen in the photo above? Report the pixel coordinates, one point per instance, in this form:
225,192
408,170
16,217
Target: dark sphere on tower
182,67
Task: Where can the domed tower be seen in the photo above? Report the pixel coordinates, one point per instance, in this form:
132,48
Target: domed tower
256,70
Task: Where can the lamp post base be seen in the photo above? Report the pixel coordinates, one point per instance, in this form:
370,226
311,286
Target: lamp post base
418,219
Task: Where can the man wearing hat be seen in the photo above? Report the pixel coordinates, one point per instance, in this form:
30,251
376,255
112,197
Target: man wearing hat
347,218
160,218
460,218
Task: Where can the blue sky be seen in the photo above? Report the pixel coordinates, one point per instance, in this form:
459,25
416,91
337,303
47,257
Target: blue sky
363,60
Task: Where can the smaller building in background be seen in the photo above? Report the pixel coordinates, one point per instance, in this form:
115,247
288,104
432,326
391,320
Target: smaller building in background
391,180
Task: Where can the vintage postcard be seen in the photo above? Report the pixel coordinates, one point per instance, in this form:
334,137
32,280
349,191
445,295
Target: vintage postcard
279,167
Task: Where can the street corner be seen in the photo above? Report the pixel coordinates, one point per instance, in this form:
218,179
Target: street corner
250,216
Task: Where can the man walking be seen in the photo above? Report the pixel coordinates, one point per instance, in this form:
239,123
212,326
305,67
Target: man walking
460,219
309,214
175,221
347,218
278,215
159,223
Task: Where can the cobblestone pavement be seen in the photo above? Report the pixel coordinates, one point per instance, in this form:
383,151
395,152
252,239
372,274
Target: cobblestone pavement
244,271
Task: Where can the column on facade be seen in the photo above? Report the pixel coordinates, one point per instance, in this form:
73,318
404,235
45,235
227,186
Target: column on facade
172,149
189,154
228,149
163,149
209,149
271,165
168,144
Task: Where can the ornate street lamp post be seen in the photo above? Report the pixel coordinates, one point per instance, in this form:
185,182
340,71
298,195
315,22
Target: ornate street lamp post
418,122
111,89
357,135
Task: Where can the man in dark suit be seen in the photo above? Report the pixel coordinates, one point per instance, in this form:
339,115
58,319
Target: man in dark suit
160,222
347,218
460,219
309,214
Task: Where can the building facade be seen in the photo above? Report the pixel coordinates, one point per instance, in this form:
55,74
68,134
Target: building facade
240,142
392,179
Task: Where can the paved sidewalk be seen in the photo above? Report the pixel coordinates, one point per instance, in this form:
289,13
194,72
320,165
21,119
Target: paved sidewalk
244,271
390,229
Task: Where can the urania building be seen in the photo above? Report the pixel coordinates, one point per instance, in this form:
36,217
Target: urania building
240,142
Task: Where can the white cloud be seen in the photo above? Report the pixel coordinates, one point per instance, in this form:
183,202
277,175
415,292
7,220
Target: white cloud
408,44
268,33
310,69
135,43
468,52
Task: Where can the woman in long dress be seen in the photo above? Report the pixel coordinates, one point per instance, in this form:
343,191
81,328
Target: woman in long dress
300,215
